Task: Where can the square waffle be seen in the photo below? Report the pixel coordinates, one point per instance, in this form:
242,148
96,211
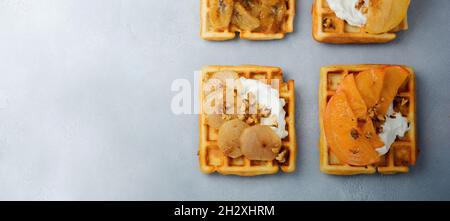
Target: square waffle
330,29
211,157
208,33
403,152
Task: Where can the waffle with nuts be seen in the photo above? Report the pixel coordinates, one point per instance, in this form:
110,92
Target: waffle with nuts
403,152
228,32
211,157
328,28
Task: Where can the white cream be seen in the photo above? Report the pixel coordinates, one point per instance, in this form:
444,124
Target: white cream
346,10
394,127
268,97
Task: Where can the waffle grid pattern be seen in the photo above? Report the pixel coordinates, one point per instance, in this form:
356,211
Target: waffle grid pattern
211,157
208,33
403,152
330,29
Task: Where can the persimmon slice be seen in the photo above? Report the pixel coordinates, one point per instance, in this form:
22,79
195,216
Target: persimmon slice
395,77
371,134
356,102
370,85
345,139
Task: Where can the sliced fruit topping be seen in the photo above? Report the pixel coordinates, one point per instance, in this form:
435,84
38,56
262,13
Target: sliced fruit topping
273,13
228,140
370,84
370,133
220,13
243,19
356,102
215,120
252,6
346,140
395,77
214,105
385,15
260,142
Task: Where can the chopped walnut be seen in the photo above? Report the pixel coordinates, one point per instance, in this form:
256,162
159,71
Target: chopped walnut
372,112
381,118
241,117
265,112
354,133
404,102
282,156
354,151
275,150
360,4
250,121
227,116
379,130
328,23
275,124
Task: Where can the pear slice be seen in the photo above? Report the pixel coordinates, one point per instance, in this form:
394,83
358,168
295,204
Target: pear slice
260,142
252,6
273,13
243,19
385,15
220,13
229,137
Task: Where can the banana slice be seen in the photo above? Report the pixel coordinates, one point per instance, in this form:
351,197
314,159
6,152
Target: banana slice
243,19
220,14
273,13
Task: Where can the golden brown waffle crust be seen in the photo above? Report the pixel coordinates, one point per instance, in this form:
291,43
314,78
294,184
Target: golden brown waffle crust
212,35
342,34
211,158
327,86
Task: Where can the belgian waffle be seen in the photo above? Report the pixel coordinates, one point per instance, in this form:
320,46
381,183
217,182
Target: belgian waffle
330,29
403,152
211,157
208,33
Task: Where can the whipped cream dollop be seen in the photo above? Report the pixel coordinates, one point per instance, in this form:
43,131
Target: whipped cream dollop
395,126
268,97
350,11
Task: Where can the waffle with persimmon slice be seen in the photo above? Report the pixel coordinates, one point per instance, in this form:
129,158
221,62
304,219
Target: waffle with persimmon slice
212,159
403,152
328,28
207,32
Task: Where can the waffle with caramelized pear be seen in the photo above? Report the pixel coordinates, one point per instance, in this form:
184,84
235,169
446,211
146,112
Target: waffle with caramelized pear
211,157
251,22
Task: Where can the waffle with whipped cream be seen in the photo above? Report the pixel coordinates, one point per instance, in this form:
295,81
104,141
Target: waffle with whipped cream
328,28
211,157
402,154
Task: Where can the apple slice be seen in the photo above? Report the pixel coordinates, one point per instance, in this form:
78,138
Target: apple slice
345,139
385,15
395,77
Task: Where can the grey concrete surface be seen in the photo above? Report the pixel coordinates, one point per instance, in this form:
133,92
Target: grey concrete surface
85,103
